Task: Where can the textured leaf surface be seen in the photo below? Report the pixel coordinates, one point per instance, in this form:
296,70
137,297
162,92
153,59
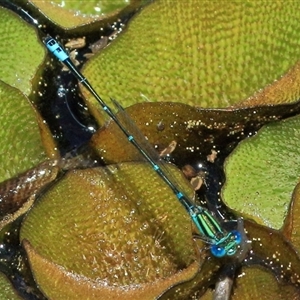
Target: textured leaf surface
21,145
69,286
20,52
113,226
224,53
206,53
283,90
262,172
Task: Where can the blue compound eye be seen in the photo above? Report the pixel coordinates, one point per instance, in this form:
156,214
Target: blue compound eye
217,251
237,236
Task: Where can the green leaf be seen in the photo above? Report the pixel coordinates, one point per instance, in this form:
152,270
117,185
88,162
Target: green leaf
25,141
21,142
262,172
205,53
68,285
21,53
115,227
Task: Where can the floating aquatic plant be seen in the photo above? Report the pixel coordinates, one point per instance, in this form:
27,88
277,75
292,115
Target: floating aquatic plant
115,230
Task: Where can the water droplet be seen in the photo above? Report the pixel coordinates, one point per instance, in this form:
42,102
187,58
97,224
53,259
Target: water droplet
61,92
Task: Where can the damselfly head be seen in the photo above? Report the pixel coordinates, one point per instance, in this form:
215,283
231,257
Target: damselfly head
228,245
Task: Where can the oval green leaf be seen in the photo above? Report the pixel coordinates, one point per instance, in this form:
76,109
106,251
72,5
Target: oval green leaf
21,144
262,172
25,142
21,53
209,54
117,227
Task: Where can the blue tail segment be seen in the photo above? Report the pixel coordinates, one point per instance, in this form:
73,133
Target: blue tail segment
223,243
56,49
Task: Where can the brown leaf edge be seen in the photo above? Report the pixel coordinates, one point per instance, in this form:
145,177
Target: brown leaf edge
58,283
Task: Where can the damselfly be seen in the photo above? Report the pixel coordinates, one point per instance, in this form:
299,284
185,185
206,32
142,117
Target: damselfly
222,242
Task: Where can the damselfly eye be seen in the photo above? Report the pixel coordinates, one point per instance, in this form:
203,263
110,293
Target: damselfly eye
217,251
237,236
